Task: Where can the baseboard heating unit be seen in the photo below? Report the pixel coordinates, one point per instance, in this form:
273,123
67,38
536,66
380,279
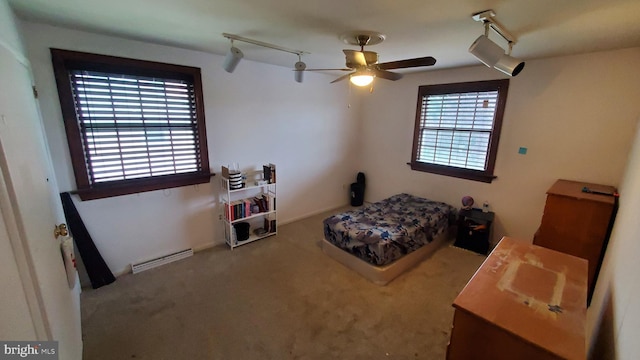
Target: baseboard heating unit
146,265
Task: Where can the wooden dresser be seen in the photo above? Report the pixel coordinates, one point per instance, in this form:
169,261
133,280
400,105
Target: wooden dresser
524,302
578,223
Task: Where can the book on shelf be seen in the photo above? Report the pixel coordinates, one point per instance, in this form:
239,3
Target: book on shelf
266,173
272,167
236,211
225,172
230,211
247,207
269,173
269,224
261,205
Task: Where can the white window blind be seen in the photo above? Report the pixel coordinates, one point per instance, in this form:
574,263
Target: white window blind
456,128
135,127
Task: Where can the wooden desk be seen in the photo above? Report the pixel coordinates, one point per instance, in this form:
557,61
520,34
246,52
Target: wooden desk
524,302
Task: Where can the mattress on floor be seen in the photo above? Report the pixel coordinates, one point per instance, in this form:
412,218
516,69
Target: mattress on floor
385,231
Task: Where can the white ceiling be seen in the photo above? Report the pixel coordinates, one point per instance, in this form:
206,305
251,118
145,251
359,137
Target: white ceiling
413,28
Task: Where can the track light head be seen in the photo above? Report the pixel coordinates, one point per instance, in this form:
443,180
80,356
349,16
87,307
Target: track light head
235,55
489,52
486,50
493,56
299,71
232,59
509,65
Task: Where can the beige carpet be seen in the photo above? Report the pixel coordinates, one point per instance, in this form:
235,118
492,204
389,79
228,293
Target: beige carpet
278,298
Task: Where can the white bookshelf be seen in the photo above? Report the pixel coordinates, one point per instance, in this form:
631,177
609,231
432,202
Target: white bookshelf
254,203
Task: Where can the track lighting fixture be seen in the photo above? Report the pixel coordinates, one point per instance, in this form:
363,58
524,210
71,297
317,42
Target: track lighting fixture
490,53
234,55
299,70
232,59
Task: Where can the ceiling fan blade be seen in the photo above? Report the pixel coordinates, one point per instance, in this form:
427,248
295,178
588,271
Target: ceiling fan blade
326,70
355,58
341,78
386,74
408,63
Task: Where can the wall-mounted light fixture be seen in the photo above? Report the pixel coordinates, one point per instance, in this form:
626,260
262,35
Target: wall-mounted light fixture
234,56
490,53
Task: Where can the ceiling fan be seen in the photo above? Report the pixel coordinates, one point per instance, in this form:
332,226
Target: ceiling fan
364,65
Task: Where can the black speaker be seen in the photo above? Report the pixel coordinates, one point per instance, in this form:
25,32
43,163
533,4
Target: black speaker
357,190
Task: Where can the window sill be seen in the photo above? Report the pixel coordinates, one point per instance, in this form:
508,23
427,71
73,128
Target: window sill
474,175
137,186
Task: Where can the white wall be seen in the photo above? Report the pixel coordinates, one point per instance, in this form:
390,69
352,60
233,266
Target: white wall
614,307
254,116
575,114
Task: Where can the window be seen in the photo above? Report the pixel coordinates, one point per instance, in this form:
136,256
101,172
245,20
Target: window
131,125
458,127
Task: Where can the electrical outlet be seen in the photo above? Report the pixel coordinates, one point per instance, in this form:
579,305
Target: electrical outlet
220,217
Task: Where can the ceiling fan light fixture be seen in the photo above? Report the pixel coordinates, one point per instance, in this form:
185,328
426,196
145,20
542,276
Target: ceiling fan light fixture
361,78
365,64
232,59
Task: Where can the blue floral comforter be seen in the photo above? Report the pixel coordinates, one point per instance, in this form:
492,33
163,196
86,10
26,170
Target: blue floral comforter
385,231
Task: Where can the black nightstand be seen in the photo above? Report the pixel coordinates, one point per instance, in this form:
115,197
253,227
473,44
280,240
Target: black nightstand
474,230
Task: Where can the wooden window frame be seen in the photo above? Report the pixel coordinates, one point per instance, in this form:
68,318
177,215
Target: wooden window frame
486,175
65,61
